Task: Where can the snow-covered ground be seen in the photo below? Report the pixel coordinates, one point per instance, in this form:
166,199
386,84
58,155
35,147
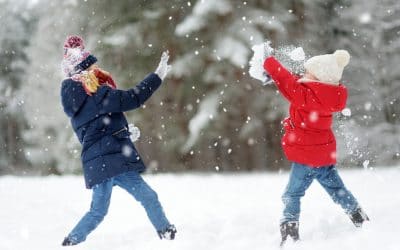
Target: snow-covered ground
211,212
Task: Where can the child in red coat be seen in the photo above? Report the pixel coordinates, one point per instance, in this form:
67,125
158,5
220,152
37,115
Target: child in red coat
309,141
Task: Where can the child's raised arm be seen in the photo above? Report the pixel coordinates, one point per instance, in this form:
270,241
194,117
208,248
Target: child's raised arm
284,80
115,100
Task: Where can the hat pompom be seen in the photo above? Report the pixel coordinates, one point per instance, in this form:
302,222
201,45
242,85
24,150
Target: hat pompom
74,42
342,57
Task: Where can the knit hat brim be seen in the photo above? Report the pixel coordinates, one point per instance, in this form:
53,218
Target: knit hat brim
85,64
328,68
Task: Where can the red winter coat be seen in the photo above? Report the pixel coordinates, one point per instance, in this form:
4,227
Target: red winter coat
308,137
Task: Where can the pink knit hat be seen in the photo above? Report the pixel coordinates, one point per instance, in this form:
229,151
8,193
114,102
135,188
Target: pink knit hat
76,59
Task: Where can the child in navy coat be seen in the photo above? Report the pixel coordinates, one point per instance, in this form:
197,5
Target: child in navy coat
95,106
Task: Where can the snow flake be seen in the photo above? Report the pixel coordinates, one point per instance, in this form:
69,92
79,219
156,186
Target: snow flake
251,141
346,112
367,106
127,150
365,18
248,119
313,116
291,137
106,120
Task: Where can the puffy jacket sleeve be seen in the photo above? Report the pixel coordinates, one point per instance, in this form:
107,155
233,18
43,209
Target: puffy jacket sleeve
284,80
114,100
73,96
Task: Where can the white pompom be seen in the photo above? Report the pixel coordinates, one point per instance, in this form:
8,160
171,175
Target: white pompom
342,57
135,132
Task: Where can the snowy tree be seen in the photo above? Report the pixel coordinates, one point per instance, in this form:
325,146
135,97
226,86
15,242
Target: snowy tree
370,31
209,114
19,25
53,147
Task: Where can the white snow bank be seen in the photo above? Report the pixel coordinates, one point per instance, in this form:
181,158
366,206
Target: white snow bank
215,212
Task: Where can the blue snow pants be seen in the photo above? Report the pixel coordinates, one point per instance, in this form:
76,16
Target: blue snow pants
300,179
134,184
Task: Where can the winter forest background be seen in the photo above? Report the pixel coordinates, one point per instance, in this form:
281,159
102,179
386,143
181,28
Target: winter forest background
209,115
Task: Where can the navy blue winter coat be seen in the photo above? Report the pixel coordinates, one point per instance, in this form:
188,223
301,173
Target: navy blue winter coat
102,129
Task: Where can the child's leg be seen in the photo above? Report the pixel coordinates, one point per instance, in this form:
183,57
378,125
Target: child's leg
142,192
329,178
98,209
300,179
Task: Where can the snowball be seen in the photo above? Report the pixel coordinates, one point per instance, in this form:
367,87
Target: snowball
297,54
256,69
290,56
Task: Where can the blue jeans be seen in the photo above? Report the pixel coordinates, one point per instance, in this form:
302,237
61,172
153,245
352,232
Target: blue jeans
302,176
134,184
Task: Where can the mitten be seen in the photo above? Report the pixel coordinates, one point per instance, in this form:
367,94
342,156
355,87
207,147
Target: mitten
163,67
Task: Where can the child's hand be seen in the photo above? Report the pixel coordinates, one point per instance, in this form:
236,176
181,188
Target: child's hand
267,79
163,67
256,70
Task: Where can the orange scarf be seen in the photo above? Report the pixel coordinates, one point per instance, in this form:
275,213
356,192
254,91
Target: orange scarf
91,80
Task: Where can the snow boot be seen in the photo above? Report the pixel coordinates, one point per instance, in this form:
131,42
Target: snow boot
68,242
289,228
358,217
168,233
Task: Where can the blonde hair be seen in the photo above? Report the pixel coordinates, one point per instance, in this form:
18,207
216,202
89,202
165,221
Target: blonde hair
93,78
89,81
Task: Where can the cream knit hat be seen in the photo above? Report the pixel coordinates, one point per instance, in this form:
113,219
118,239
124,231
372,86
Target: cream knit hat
328,68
